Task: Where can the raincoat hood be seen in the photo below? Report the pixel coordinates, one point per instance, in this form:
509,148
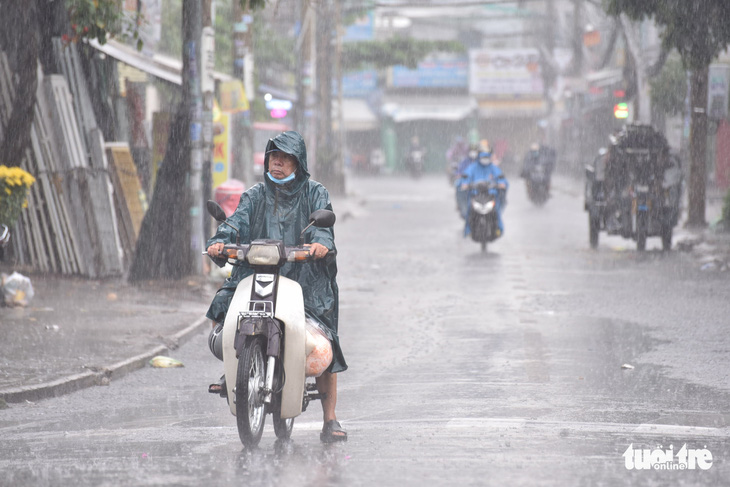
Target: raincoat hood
291,143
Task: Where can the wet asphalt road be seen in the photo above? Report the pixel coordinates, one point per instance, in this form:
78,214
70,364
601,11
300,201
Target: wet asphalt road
465,369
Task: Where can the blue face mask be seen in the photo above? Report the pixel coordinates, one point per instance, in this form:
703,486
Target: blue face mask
282,181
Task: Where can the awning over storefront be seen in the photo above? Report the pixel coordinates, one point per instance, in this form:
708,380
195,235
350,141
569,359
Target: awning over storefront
161,67
447,108
357,115
606,77
512,108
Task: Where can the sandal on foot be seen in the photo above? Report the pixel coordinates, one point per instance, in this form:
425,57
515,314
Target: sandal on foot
332,432
219,387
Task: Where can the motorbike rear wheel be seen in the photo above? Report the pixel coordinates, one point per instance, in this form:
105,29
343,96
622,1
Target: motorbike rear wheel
250,407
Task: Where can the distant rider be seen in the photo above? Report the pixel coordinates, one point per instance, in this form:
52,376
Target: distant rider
539,154
462,196
485,170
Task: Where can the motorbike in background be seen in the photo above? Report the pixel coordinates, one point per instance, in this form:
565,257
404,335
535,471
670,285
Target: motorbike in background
537,183
266,343
483,217
414,163
452,170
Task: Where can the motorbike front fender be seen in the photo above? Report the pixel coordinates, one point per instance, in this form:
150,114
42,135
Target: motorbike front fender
290,311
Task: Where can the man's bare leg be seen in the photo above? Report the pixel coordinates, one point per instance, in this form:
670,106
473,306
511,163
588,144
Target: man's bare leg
327,386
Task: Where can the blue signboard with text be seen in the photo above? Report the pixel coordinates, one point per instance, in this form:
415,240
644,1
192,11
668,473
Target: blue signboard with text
358,84
432,74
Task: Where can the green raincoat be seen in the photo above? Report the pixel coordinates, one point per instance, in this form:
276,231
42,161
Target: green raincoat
280,212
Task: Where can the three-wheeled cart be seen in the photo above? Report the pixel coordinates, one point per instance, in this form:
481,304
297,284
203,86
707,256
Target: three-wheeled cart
634,188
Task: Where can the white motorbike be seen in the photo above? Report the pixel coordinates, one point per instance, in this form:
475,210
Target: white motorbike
264,342
4,240
4,236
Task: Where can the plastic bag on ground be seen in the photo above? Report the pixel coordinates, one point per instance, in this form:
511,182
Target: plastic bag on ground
17,289
318,348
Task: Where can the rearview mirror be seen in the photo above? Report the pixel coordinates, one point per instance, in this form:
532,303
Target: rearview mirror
215,210
322,218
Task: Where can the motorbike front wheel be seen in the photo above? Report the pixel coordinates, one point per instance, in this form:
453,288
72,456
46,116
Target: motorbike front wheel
250,410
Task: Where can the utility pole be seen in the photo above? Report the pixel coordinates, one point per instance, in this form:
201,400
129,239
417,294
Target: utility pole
340,100
642,101
207,84
328,152
242,70
301,50
698,150
192,32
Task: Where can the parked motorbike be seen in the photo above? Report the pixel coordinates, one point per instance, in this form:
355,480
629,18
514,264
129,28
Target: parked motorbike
4,239
483,215
537,182
4,236
264,342
415,163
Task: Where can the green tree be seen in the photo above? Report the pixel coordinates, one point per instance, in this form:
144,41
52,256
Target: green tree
669,88
699,30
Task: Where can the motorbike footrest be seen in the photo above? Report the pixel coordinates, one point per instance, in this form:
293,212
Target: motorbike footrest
314,397
218,388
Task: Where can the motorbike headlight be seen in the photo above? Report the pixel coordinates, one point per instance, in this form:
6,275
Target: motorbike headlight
483,208
263,255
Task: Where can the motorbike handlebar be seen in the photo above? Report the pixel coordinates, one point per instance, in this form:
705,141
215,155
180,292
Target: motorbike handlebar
239,252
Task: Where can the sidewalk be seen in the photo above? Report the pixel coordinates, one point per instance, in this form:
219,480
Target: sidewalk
76,333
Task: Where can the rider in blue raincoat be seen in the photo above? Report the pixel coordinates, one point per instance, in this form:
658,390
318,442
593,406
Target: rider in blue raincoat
462,196
485,170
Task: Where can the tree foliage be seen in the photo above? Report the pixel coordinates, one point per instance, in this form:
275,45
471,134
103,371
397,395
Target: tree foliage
698,29
669,88
100,20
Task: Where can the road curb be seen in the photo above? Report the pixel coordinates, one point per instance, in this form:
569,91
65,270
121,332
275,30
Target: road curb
101,376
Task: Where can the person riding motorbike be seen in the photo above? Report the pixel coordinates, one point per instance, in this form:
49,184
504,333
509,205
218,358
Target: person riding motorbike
458,151
462,196
414,158
485,170
279,209
539,154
